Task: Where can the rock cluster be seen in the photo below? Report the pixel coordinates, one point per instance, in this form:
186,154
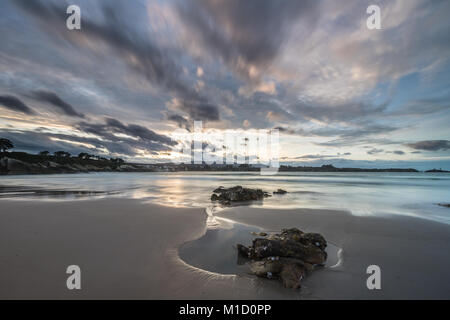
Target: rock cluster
287,256
236,194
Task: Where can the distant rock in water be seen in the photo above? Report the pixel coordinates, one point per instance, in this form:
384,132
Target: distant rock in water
280,191
287,256
447,205
237,194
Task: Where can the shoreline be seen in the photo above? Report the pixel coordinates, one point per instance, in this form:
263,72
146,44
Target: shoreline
128,249
410,251
21,163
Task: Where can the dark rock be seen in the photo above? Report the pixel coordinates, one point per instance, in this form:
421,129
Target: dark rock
289,271
236,194
214,197
266,268
263,248
280,191
261,234
243,250
447,205
292,274
287,256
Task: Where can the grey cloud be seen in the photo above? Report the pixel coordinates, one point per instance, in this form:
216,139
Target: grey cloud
356,141
430,145
244,33
105,142
374,151
180,120
354,112
423,106
15,104
138,131
398,152
198,110
56,101
147,139
138,52
282,129
315,156
353,130
33,141
322,156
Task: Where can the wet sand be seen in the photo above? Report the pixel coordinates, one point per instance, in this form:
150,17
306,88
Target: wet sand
128,249
413,253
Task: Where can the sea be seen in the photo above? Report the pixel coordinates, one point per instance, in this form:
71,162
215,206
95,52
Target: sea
362,194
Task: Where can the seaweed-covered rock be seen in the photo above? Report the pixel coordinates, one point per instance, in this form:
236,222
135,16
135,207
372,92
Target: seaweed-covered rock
292,274
280,191
290,271
310,253
287,256
266,268
236,194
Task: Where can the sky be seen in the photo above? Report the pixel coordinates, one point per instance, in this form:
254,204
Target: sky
138,71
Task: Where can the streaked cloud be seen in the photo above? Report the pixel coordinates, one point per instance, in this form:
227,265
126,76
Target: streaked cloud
430,145
56,101
14,104
309,68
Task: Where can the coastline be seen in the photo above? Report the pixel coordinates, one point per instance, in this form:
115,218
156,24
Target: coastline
410,251
21,163
128,249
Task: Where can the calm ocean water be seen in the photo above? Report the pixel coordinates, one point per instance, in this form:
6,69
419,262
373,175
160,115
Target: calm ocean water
414,194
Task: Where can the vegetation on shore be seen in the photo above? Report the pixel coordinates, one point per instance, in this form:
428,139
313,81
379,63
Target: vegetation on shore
58,162
63,162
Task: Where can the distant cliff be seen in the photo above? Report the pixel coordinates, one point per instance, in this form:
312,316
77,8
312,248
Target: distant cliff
331,168
25,163
437,170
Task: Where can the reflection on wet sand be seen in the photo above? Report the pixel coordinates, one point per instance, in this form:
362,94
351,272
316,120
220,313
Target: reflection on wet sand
216,250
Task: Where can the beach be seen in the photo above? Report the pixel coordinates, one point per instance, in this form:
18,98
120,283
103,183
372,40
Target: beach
128,249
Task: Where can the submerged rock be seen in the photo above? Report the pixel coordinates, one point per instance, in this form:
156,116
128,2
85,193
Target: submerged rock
236,194
261,234
287,256
280,191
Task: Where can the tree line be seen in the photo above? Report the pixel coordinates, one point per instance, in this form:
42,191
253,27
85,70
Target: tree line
6,144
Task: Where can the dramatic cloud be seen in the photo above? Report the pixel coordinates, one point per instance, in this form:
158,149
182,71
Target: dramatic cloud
311,69
247,35
56,101
430,145
137,51
180,120
137,134
15,104
112,137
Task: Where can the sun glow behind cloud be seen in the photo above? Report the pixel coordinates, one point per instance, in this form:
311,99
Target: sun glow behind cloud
333,88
